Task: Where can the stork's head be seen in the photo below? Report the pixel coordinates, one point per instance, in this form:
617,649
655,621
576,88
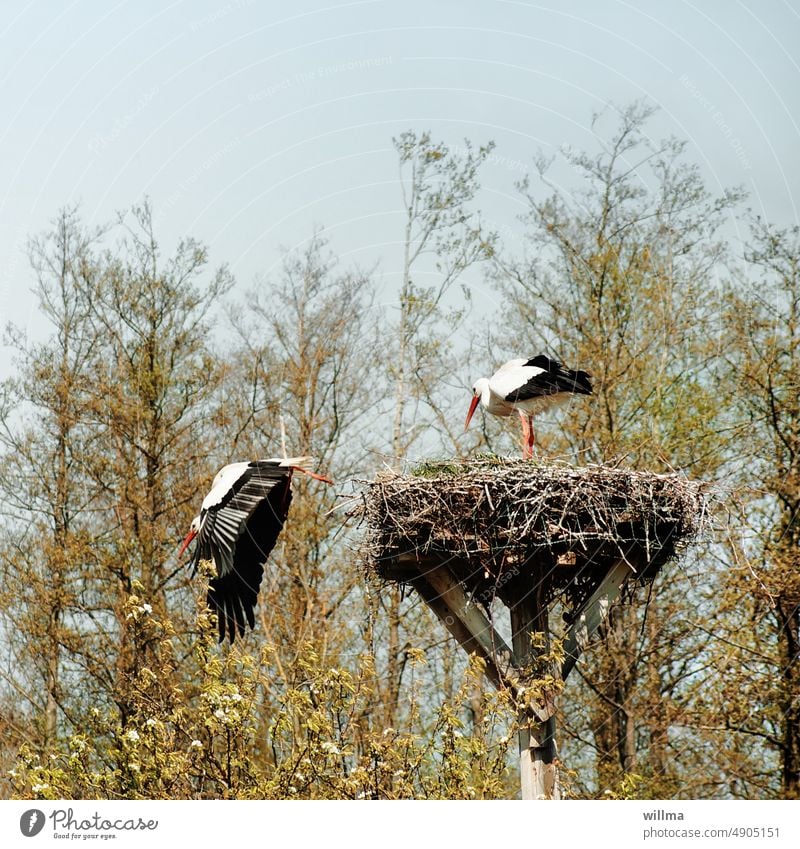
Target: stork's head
480,392
194,529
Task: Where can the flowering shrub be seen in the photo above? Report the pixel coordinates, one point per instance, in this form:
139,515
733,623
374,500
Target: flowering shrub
241,735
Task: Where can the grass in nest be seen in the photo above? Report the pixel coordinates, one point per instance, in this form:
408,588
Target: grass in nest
453,468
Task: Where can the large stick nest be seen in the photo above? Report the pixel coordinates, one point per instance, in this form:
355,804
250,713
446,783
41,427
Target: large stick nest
499,523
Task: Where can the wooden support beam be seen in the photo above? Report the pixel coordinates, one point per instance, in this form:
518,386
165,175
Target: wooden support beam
451,592
514,668
402,566
466,622
451,620
538,767
506,667
593,612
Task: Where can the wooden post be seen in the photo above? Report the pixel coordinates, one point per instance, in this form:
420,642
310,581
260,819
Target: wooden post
537,748
461,616
514,667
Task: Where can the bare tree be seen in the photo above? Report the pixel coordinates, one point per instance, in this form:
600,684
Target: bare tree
303,382
441,229
619,281
154,392
763,354
47,492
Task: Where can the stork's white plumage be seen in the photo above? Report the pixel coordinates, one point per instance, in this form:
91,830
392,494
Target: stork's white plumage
237,528
527,387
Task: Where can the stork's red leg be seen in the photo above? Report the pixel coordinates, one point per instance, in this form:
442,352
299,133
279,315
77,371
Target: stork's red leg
311,474
531,436
526,436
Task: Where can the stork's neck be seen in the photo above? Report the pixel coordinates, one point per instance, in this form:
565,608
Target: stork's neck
493,402
482,388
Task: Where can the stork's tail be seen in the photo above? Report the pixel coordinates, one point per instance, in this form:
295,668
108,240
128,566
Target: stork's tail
297,462
581,382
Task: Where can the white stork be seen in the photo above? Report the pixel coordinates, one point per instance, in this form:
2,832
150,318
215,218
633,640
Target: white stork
237,528
529,387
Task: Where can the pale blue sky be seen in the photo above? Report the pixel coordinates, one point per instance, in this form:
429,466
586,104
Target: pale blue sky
247,122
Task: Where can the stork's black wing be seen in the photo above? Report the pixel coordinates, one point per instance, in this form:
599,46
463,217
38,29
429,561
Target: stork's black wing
549,377
238,536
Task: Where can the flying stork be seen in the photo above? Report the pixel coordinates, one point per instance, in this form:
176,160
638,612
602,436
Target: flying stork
237,528
529,387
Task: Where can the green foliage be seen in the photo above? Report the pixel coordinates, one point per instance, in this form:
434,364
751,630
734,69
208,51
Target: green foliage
319,741
451,468
110,429
439,468
628,788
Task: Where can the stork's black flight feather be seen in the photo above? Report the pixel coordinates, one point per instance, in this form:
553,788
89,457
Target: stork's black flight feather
552,379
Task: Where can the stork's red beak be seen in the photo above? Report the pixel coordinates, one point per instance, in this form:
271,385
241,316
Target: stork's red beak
472,406
189,537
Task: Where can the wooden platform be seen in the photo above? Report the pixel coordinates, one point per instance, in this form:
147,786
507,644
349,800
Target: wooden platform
527,534
498,523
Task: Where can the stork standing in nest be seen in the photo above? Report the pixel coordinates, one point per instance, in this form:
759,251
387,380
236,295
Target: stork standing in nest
527,387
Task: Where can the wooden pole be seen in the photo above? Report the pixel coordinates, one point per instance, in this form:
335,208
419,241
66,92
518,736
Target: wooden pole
516,667
537,748
461,616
